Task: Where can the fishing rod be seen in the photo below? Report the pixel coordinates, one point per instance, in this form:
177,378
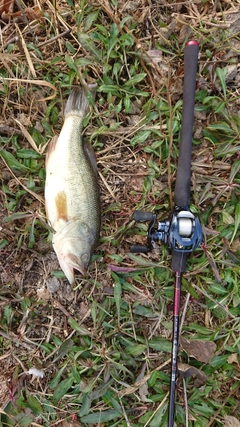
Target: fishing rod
182,231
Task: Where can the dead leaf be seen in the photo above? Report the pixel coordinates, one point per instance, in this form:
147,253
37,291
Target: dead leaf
186,33
24,119
6,8
33,13
187,371
66,423
143,392
43,294
155,55
119,269
231,421
136,182
233,358
29,13
234,27
231,73
53,284
235,246
199,349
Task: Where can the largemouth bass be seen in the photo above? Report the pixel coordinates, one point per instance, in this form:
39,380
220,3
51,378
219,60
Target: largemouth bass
71,190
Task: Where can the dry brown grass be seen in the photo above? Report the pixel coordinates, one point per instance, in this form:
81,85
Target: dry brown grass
125,301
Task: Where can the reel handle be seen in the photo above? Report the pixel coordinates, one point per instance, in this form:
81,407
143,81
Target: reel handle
143,216
134,249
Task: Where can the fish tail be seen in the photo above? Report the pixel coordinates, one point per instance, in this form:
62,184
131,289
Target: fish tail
78,101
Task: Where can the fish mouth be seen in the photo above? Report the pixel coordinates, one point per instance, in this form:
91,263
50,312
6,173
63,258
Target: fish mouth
77,264
71,256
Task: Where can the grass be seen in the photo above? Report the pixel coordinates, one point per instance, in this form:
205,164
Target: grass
104,347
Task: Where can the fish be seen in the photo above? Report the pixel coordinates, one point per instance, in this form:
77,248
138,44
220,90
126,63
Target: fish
72,198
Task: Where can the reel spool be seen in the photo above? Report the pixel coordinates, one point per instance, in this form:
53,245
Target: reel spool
185,227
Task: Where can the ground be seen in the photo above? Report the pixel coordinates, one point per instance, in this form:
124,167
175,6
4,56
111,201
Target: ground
99,353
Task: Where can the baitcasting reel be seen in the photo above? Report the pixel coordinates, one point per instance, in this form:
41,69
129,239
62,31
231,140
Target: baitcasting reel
182,232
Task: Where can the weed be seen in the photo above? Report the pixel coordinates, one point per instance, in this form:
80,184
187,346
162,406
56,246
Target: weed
104,347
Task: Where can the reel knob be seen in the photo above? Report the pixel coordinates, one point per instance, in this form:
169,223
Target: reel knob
143,216
134,249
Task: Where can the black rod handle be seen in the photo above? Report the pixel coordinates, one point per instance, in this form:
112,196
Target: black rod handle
183,179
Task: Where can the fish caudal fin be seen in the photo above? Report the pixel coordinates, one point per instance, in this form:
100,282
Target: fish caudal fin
78,101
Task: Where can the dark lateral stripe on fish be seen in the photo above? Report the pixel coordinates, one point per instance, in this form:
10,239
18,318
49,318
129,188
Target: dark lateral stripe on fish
61,205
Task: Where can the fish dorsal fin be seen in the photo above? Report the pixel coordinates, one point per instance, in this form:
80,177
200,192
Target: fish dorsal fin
90,153
51,148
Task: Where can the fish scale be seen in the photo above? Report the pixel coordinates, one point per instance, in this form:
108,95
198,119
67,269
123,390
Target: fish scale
71,190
